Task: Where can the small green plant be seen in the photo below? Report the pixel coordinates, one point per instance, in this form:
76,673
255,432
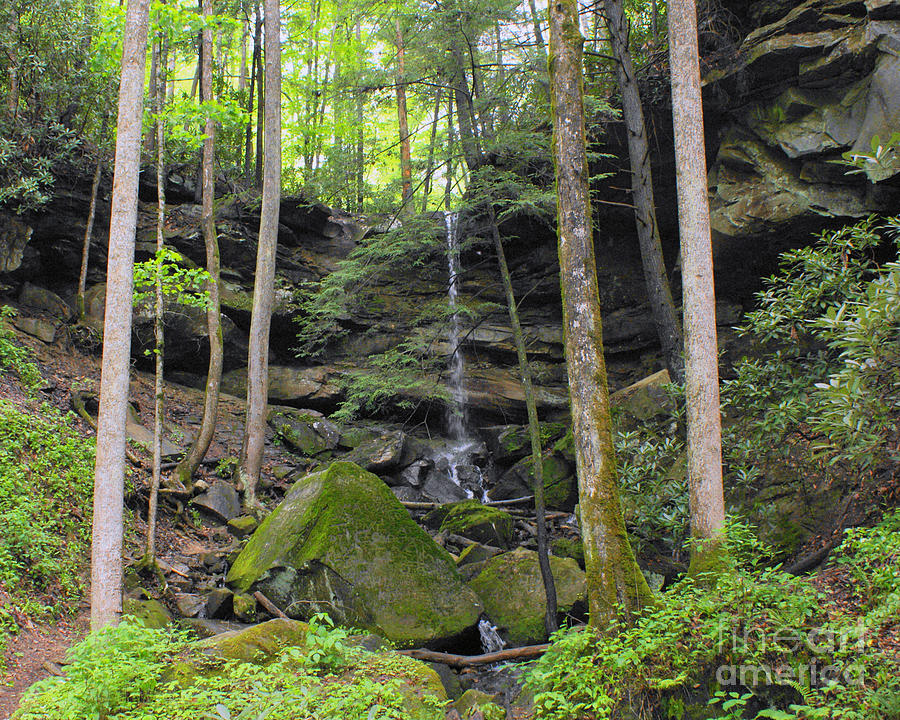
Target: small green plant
326,646
14,357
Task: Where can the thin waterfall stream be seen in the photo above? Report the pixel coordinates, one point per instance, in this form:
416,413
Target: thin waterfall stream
462,443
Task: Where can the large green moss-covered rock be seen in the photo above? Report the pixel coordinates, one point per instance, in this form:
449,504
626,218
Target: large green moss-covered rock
511,588
341,543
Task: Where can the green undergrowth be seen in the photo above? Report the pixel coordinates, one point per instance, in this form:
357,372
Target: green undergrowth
134,673
753,642
46,480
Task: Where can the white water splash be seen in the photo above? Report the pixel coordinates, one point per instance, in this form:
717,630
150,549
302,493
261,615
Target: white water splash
490,638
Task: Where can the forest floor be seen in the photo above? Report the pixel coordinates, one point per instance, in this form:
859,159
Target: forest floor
65,369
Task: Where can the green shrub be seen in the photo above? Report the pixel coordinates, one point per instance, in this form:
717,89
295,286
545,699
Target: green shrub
14,357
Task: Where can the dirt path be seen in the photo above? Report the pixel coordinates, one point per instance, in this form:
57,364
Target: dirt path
28,651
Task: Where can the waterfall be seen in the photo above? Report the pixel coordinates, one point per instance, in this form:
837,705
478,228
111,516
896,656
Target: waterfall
490,638
456,418
462,443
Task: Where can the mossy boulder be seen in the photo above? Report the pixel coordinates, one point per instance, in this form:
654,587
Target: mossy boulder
152,613
511,588
474,701
569,548
471,519
560,486
306,432
258,643
341,543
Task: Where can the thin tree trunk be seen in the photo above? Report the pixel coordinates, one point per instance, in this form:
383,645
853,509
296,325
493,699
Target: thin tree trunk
536,21
704,422
451,139
254,67
655,277
191,461
534,431
264,291
403,123
465,113
654,22
159,314
152,90
360,139
89,231
109,473
242,74
262,78
613,578
429,167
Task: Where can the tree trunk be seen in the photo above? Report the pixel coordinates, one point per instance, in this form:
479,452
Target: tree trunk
658,290
159,314
191,461
109,473
465,113
360,174
536,21
88,232
534,431
264,289
704,422
403,124
254,67
429,167
262,77
451,139
614,580
152,89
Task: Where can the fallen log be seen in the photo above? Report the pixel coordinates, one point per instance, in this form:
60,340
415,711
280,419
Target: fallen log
270,607
410,505
460,661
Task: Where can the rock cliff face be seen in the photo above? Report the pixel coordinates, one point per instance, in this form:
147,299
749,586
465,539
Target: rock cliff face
788,88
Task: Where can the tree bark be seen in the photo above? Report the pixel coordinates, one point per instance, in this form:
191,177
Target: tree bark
704,422
614,581
262,78
403,123
159,328
534,432
429,167
264,290
254,71
660,294
109,473
191,461
88,232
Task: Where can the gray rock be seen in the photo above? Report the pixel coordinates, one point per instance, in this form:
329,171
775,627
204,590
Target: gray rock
414,475
43,300
440,488
40,328
14,236
219,604
190,605
309,387
306,432
221,500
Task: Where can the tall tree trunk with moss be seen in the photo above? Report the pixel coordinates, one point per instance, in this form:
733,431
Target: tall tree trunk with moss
704,421
660,294
613,577
250,462
191,461
262,88
159,101
109,472
534,432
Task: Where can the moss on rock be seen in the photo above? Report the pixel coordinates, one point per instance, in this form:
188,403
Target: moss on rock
471,519
341,543
511,588
258,643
